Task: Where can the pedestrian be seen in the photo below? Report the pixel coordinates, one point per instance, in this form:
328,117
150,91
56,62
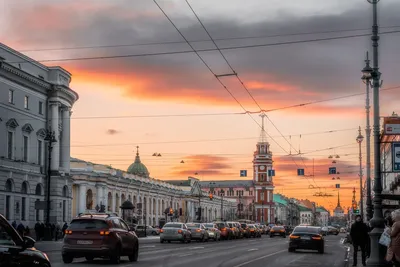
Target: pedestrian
393,251
64,228
359,236
37,231
21,229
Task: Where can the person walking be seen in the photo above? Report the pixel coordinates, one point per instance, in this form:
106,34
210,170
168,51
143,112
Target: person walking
359,236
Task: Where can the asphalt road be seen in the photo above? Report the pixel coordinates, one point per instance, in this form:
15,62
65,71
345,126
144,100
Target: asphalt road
271,252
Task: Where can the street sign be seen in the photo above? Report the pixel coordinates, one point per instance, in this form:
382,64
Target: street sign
391,125
356,211
337,185
243,173
396,156
271,172
300,172
332,170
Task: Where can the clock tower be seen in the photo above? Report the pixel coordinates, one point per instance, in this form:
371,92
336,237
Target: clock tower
263,179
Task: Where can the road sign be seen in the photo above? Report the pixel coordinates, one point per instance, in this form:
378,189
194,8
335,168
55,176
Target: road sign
271,172
337,185
332,170
396,156
300,172
391,125
243,173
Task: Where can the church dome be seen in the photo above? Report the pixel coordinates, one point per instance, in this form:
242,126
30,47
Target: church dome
138,168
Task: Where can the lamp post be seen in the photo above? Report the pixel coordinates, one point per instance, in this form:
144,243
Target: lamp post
222,192
378,252
359,139
366,78
50,138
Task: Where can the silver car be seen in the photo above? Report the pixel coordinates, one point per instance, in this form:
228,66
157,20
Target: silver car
198,231
174,231
213,231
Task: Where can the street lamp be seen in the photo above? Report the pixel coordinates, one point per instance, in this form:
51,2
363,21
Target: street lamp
359,139
50,138
378,252
366,78
222,192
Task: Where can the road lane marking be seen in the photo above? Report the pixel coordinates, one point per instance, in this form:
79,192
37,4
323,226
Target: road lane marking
253,249
259,258
196,247
184,255
147,246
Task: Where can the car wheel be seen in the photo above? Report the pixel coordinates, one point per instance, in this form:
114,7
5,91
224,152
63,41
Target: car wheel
154,233
135,255
321,250
284,236
89,258
116,257
291,249
67,258
271,236
161,241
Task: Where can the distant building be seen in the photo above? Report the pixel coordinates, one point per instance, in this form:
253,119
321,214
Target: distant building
306,215
322,216
281,210
34,98
338,211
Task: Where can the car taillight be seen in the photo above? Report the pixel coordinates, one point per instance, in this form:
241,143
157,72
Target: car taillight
104,232
316,237
223,229
198,230
68,232
180,231
161,231
294,236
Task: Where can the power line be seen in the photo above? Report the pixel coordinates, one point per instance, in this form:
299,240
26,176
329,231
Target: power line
198,41
203,50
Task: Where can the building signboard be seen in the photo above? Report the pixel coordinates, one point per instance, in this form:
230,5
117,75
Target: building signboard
396,156
391,125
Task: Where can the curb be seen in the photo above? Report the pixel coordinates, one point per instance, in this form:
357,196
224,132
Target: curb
346,257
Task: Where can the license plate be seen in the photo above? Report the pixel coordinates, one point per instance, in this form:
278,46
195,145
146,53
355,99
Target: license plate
305,238
84,242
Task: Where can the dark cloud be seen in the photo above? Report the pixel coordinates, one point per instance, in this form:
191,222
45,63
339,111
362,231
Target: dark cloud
112,132
203,165
309,70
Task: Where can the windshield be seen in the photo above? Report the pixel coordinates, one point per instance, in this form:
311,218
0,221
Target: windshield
209,225
221,225
277,228
311,230
193,225
88,224
173,225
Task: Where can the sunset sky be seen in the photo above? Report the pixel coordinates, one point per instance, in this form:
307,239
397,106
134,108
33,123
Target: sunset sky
137,93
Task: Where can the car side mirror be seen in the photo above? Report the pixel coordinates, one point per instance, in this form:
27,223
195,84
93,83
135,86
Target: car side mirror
29,242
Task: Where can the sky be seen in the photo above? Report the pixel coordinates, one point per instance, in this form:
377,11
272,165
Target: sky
152,101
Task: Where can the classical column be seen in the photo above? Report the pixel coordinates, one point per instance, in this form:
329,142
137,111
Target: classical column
99,194
114,201
82,198
66,139
105,197
54,123
157,209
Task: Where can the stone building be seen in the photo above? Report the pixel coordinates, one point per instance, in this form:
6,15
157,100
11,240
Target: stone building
34,98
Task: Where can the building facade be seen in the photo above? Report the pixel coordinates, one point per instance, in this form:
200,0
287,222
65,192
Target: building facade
306,215
33,99
281,210
322,217
96,185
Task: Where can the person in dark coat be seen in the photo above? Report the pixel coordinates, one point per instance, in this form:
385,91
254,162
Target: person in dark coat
359,236
21,229
65,227
37,231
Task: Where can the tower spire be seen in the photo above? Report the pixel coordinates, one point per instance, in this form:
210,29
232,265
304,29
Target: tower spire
263,136
338,199
137,158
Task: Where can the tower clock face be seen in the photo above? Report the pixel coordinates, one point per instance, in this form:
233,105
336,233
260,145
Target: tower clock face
262,167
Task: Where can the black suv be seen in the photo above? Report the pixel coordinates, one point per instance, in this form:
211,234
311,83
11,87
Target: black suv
17,251
99,235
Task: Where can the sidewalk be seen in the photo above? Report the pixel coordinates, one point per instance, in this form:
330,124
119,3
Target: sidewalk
54,246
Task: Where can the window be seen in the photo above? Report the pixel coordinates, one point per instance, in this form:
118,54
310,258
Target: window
262,195
10,145
40,107
40,144
250,193
8,202
25,148
23,209
26,102
38,213
5,238
11,96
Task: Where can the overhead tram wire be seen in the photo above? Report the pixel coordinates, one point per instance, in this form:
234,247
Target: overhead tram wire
212,72
199,41
203,50
243,85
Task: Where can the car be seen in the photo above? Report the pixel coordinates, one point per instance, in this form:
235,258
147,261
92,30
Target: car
19,251
325,230
306,237
333,230
254,231
277,230
213,231
175,231
99,235
198,231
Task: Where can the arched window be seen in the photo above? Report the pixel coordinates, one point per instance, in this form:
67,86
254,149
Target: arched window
65,191
38,190
9,185
24,188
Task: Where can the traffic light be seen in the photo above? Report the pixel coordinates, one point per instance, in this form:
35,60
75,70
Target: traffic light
211,196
